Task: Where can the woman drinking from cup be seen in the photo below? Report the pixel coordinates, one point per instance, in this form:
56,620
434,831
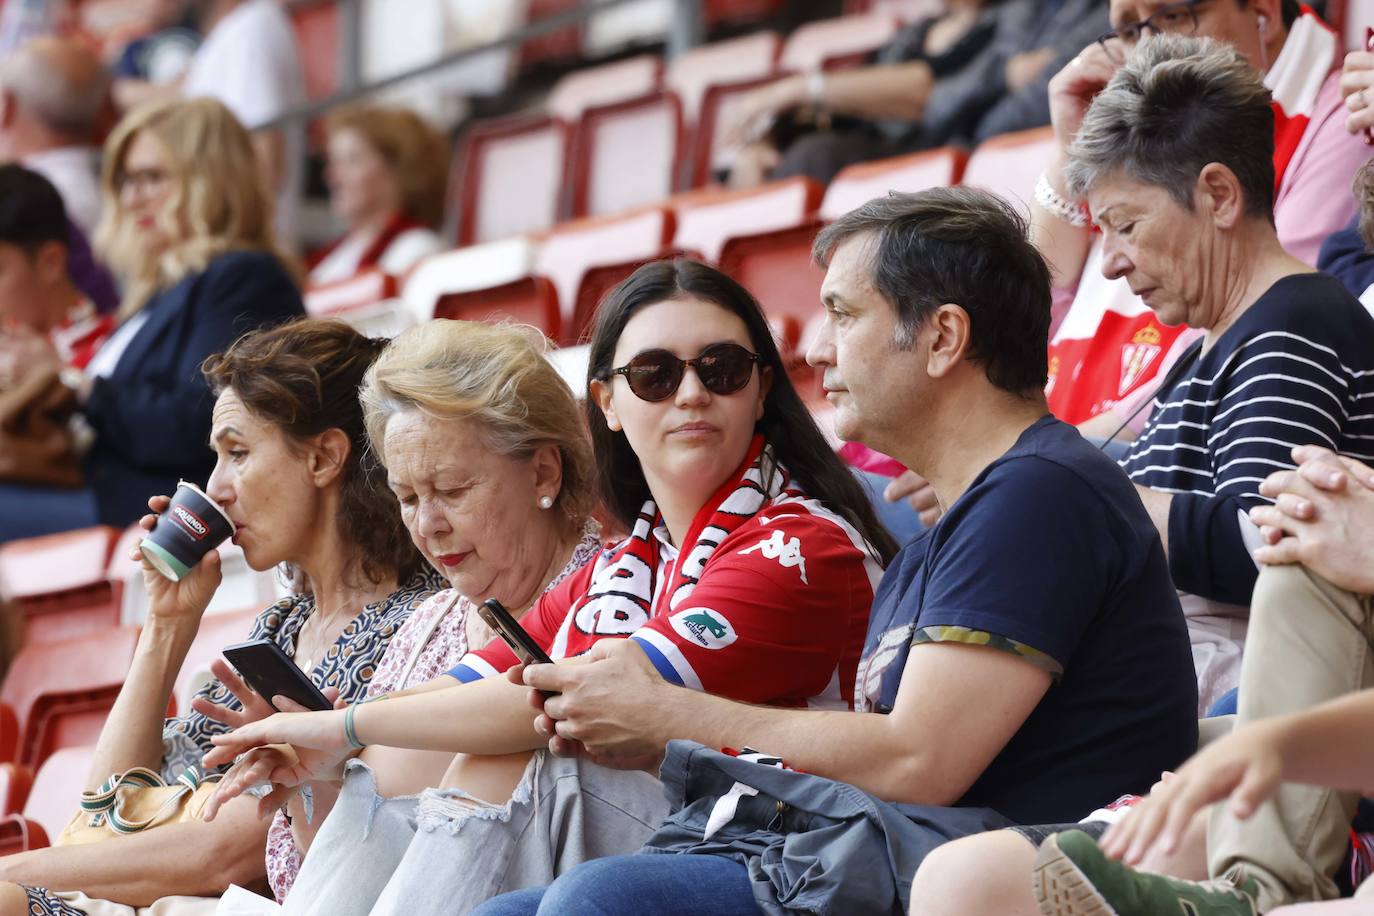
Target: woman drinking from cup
748,571
292,474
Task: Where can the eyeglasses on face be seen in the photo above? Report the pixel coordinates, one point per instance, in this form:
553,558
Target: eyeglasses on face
655,375
140,182
1175,19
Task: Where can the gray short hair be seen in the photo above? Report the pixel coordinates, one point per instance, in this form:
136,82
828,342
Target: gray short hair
1179,104
61,84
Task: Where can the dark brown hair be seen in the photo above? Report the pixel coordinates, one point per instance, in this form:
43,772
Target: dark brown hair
303,378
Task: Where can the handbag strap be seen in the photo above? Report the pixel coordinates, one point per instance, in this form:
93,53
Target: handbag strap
424,639
105,805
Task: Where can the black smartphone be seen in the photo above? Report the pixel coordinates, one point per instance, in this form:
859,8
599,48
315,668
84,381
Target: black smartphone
270,672
509,629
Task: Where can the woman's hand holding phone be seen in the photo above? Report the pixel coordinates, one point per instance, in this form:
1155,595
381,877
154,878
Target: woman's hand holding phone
285,767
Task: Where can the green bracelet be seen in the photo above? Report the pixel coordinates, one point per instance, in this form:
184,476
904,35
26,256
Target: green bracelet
350,733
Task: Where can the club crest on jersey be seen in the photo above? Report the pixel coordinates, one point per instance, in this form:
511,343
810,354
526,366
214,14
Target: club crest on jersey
1137,356
705,627
786,550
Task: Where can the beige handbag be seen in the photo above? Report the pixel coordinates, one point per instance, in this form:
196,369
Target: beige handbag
134,801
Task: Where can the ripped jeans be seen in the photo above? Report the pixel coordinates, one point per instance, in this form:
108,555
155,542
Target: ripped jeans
443,851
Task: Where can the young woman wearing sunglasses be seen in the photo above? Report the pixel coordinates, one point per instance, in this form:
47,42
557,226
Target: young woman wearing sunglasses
748,572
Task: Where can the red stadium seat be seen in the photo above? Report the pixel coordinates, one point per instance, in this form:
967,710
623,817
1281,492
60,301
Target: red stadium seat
59,582
697,71
342,296
828,44
62,691
1010,164
842,41
568,252
529,300
603,85
57,786
511,178
719,12
19,834
776,267
905,10
626,154
706,220
559,45
860,183
15,782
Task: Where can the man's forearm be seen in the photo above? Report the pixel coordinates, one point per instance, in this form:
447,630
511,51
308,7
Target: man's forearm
132,735
195,858
861,749
894,92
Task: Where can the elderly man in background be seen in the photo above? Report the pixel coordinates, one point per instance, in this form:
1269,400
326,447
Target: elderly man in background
51,93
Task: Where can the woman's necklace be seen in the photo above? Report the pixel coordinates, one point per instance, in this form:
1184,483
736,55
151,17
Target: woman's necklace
320,641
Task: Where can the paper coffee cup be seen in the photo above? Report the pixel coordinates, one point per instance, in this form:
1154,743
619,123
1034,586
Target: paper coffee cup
192,526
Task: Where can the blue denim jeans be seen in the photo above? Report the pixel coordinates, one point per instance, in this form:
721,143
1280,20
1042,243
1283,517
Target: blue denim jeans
662,884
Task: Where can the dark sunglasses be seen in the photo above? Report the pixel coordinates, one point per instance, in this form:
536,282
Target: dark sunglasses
654,375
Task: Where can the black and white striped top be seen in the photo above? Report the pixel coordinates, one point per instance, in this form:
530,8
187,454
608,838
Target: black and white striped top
1297,368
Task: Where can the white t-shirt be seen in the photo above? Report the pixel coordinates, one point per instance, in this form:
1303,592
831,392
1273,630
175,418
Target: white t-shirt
401,255
73,171
249,62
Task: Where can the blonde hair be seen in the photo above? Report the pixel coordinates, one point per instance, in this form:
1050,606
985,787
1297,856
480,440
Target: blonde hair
415,154
496,377
218,203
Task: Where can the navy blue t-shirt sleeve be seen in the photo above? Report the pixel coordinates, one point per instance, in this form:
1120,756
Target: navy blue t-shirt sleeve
1030,558
1344,256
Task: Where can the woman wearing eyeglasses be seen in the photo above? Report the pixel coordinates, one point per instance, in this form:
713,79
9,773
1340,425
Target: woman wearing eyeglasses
188,226
748,571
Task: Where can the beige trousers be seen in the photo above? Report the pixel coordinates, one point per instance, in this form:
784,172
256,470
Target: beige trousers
1308,642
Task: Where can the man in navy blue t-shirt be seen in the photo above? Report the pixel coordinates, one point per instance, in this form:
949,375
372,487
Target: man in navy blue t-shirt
1027,654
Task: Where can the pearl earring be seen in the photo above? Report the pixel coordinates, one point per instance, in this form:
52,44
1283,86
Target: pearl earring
546,502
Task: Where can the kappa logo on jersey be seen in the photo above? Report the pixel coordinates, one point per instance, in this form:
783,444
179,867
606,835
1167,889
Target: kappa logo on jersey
1137,356
705,627
786,550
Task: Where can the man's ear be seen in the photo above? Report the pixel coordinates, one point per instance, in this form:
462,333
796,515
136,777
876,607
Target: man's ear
948,330
1218,192
328,456
602,392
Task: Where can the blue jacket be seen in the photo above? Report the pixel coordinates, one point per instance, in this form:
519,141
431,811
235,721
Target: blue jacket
152,415
1344,256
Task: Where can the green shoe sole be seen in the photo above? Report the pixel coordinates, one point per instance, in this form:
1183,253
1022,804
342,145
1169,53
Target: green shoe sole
1061,889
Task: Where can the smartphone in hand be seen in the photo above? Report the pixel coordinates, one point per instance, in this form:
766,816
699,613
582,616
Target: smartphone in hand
514,635
270,672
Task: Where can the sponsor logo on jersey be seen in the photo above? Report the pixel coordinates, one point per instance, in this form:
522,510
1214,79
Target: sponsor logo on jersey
786,550
705,627
189,522
1137,356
